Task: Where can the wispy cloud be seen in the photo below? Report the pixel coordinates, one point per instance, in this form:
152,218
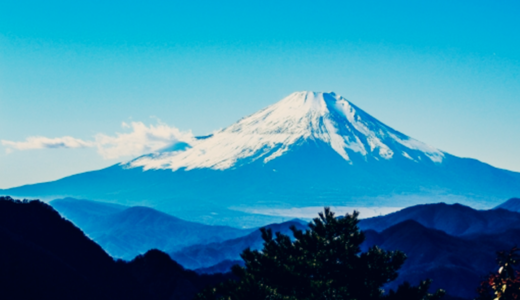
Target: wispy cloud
40,142
140,140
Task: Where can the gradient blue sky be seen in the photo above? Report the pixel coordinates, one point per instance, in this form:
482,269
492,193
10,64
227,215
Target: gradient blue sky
444,72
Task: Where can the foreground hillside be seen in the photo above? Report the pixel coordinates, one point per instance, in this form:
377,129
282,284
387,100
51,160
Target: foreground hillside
46,257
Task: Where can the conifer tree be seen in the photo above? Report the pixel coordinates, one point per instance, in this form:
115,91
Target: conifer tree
324,262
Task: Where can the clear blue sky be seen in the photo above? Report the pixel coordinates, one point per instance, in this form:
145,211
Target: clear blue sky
444,72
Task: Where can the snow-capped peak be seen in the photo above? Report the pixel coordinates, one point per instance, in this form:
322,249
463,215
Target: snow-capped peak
296,119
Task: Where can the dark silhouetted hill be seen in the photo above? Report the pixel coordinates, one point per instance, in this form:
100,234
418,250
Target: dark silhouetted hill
43,256
454,219
159,277
125,232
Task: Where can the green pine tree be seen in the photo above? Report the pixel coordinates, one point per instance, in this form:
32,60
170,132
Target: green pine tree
324,262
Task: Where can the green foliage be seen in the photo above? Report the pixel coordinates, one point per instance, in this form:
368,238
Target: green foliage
505,284
324,262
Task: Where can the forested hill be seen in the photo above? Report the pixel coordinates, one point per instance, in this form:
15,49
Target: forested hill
44,256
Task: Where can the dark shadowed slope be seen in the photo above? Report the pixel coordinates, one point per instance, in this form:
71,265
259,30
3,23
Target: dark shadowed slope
46,257
512,204
205,256
455,219
125,232
41,249
159,277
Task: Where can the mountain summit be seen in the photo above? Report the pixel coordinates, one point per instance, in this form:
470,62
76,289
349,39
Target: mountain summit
307,150
296,119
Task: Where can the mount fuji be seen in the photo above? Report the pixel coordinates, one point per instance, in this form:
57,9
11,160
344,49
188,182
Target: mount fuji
309,149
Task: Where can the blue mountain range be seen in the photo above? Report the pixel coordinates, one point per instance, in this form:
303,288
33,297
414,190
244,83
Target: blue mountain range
452,244
309,149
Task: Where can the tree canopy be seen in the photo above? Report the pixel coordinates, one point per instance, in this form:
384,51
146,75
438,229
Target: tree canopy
505,283
324,262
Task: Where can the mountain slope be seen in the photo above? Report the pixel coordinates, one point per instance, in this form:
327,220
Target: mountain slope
309,149
84,213
300,117
125,232
512,204
205,256
456,219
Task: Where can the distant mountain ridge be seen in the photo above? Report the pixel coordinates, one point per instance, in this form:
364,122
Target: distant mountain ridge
454,219
309,149
125,232
209,255
455,263
454,245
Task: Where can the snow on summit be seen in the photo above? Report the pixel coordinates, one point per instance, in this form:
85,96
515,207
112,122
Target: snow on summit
301,117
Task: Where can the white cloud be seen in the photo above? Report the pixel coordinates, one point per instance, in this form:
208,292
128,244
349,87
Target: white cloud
142,139
40,142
